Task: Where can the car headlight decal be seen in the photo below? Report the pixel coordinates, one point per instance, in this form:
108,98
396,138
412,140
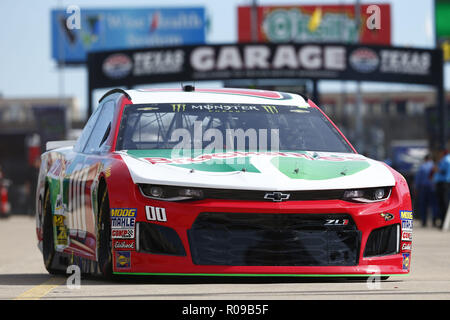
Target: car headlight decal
170,193
367,195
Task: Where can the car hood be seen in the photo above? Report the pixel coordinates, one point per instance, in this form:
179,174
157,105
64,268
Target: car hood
267,171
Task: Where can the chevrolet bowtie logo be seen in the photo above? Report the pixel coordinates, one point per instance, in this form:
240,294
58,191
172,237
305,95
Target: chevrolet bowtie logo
277,196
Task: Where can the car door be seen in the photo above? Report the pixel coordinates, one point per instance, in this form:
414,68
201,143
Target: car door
95,158
73,192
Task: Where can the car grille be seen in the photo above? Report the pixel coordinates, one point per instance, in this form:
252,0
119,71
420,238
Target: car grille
242,239
251,195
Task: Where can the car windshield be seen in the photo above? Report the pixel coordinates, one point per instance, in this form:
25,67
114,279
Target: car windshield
224,126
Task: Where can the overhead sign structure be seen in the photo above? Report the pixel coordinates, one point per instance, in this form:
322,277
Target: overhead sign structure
442,15
113,29
316,23
264,61
316,61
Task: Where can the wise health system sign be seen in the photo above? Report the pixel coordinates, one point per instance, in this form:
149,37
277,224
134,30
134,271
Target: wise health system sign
77,31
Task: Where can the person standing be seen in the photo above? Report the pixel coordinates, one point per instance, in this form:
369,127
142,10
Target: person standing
425,192
442,179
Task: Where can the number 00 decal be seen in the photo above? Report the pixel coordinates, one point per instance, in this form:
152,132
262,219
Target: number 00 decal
155,214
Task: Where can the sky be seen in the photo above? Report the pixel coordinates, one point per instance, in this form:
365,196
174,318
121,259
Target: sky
27,69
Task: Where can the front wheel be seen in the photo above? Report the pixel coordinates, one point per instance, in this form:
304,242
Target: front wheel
104,243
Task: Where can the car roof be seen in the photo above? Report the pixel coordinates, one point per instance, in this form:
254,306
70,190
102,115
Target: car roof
217,95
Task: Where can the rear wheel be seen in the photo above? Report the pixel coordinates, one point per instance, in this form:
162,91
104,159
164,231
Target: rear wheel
48,241
104,243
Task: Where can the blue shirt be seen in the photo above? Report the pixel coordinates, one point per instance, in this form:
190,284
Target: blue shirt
423,178
443,173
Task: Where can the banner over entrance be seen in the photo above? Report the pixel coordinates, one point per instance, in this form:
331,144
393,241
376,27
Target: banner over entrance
264,61
316,61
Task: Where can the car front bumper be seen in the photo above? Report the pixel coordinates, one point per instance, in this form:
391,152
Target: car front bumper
262,238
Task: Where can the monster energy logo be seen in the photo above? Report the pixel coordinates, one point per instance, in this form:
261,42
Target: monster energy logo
178,107
270,109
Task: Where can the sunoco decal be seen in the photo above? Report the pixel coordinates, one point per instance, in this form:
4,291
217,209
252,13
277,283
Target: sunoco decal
123,259
406,261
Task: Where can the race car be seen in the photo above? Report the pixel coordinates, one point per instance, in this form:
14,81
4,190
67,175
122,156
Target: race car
231,182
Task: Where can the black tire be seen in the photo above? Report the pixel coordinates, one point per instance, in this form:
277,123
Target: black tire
48,239
104,242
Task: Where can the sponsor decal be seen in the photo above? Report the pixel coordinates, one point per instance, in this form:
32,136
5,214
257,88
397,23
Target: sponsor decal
123,221
387,216
406,246
237,154
178,107
364,60
120,222
327,167
117,66
122,233
405,62
406,261
124,212
407,225
406,215
61,230
108,172
406,236
155,213
124,244
225,108
336,222
158,62
123,260
276,196
270,109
